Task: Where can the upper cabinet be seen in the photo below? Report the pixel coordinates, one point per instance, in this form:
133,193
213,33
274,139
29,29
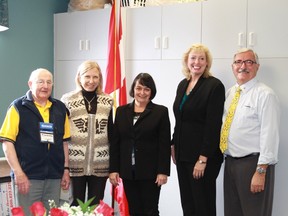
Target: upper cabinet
267,27
228,25
223,26
81,35
162,32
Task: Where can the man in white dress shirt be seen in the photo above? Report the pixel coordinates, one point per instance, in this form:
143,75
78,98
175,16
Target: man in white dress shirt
253,142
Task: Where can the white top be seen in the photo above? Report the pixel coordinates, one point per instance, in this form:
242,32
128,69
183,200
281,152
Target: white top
255,126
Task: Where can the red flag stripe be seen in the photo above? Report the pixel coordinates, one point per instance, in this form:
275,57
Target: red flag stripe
114,79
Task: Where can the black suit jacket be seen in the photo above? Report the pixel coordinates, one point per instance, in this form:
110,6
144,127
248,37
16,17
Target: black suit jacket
150,138
198,125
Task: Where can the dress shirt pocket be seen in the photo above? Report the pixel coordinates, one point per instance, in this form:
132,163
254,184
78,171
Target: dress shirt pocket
248,114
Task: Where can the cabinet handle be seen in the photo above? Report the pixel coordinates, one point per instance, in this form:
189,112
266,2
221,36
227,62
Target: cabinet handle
240,39
81,45
165,43
251,39
87,45
157,42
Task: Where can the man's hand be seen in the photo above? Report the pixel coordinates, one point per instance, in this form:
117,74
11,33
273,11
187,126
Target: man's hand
22,183
65,181
258,182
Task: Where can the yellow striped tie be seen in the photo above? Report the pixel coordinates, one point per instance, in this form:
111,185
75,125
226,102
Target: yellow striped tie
228,121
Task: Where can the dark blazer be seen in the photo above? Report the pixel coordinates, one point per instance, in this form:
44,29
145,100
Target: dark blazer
150,137
198,125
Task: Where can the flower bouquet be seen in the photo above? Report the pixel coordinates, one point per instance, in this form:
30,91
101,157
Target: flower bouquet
83,209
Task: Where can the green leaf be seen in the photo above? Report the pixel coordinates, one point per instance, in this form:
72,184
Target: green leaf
85,207
80,203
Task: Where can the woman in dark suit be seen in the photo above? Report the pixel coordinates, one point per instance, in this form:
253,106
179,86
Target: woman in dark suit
140,148
198,109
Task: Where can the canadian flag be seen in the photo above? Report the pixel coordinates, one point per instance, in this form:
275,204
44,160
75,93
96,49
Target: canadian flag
116,80
116,85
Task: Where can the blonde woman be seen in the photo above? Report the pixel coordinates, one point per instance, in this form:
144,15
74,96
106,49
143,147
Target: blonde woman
90,115
198,109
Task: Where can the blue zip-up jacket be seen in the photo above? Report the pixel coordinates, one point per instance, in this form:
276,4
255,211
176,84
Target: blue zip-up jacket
36,159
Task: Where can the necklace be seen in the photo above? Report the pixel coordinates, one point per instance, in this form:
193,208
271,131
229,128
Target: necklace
89,102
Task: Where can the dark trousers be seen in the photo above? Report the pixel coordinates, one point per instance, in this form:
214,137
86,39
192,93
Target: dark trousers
95,185
238,199
142,197
198,196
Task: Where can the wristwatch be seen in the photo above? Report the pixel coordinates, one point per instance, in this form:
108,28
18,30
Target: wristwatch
202,162
260,170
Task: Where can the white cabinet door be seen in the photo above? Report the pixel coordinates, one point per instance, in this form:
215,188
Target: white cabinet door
224,26
267,27
81,35
69,36
97,31
143,33
155,32
228,25
181,27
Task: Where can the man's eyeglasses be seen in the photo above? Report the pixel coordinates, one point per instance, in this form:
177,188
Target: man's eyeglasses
246,62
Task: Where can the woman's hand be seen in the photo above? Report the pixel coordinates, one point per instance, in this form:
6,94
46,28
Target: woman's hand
199,167
114,178
161,179
173,154
199,170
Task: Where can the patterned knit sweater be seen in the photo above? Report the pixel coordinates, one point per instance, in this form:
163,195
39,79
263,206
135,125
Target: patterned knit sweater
89,145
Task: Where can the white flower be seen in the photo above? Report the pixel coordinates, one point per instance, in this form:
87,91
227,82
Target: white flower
73,210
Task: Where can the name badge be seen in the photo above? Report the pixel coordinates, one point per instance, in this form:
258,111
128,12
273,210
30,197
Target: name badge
47,132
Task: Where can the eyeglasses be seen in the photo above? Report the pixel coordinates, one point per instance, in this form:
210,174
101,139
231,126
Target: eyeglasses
42,82
246,62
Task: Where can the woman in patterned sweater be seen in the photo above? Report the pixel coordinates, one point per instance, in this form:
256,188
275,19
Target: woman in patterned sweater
90,114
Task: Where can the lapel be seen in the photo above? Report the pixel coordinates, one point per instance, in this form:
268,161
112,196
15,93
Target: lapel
130,113
146,112
182,91
197,86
